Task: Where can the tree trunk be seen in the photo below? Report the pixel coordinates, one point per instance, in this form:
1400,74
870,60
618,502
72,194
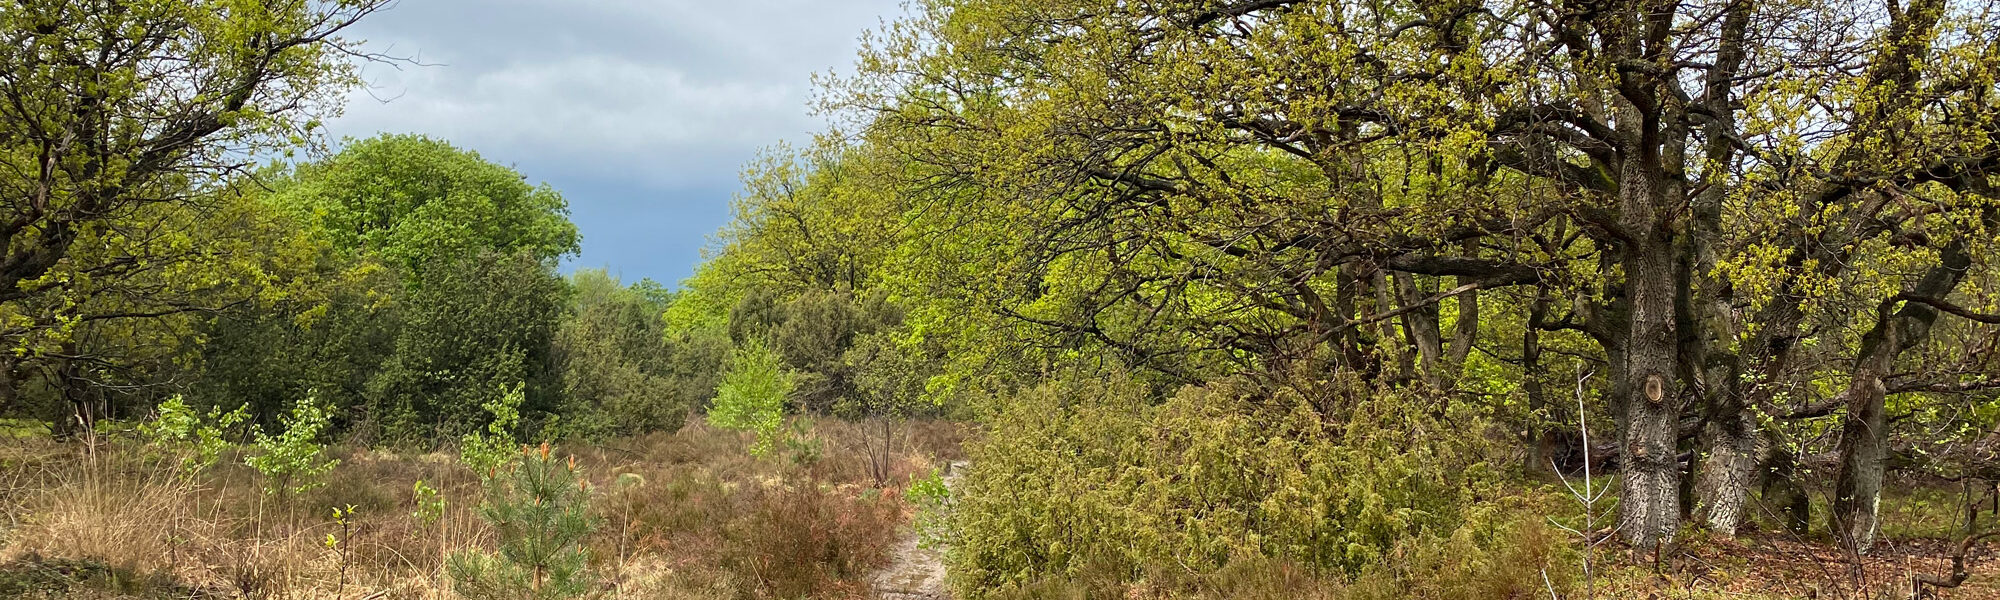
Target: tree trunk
1857,491
1728,449
1465,329
1539,437
1727,471
1858,488
1650,500
1420,327
1652,138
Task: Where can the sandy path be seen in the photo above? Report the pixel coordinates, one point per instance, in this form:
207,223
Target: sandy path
916,572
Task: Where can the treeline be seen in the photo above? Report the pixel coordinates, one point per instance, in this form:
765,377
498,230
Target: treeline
402,282
1300,280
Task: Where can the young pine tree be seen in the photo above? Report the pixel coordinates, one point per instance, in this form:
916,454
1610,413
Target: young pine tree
540,510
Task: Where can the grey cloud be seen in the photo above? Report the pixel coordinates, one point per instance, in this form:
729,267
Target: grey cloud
641,111
606,85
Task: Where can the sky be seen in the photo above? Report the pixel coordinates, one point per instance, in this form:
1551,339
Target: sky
641,112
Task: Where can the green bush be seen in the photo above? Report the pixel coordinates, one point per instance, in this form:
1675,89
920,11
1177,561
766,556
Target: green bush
193,437
1095,481
291,461
494,450
469,326
540,512
616,368
752,395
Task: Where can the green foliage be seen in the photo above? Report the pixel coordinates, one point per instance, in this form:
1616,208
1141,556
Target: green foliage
118,248
539,511
752,395
493,451
292,462
430,503
196,438
333,339
1093,476
614,360
416,201
435,283
476,324
932,498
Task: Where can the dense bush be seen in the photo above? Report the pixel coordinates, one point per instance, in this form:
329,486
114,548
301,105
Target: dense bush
474,325
616,369
1093,479
266,357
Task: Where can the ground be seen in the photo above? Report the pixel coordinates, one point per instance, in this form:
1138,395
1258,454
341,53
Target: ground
916,570
691,515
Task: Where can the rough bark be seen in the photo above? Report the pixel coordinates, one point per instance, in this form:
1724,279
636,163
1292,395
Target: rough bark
1727,472
1863,433
1651,134
1650,482
1728,446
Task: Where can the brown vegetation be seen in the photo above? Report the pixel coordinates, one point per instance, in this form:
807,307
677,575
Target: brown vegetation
686,515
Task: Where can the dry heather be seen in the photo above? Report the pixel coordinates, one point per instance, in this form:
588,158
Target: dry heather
685,515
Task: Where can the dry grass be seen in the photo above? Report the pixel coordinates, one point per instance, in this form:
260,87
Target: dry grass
686,515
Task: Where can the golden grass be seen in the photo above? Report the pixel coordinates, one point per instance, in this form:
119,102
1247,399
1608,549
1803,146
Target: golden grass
686,515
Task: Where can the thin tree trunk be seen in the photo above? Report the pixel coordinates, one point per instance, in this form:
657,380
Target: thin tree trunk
1420,327
1539,437
1465,333
1465,329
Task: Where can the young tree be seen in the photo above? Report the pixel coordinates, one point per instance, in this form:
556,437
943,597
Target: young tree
540,510
752,395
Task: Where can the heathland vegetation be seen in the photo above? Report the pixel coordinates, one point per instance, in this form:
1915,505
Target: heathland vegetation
1209,298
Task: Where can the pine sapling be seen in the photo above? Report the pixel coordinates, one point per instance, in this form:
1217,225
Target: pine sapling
539,510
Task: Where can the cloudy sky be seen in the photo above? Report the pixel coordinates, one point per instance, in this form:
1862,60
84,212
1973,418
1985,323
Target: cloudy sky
640,111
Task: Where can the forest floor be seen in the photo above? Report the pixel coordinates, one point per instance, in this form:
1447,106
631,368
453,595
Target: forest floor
1783,566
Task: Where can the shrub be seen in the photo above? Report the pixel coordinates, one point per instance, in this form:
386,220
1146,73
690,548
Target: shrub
194,437
291,461
616,373
1094,479
805,540
540,512
495,449
752,395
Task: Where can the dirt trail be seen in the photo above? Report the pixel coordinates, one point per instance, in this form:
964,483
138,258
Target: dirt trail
916,572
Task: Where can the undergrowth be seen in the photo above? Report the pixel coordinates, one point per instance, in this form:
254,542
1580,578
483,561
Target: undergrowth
681,515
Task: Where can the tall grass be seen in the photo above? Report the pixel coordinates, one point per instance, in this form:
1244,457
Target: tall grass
687,515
